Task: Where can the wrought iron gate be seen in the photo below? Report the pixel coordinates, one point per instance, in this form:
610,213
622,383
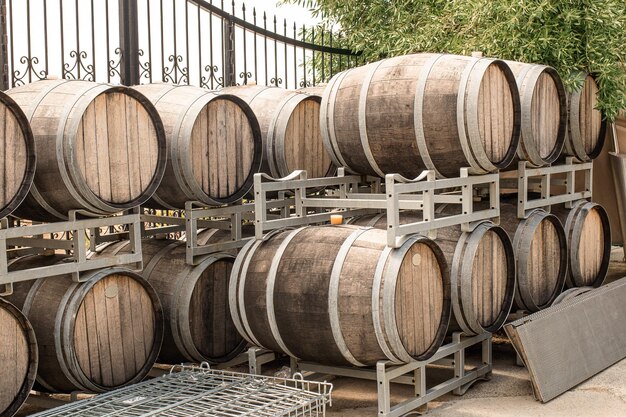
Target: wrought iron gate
179,41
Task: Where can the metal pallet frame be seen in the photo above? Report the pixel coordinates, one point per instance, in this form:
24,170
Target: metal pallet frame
31,239
414,374
421,193
528,177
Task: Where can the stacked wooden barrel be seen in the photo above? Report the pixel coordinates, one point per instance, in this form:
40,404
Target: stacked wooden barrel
290,125
18,350
17,156
93,336
214,144
339,295
424,111
198,326
482,271
99,148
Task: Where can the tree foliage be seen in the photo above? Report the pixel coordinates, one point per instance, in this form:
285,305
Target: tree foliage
570,35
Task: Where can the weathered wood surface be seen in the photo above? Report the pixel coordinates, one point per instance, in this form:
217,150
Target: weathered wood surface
586,127
99,148
96,336
198,326
540,247
425,111
17,156
588,234
309,293
482,271
544,112
290,127
214,144
19,358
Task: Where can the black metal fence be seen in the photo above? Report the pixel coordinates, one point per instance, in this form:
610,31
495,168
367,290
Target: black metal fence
192,42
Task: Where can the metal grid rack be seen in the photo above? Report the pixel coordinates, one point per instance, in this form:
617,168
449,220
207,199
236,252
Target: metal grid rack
71,236
200,391
541,181
398,193
414,374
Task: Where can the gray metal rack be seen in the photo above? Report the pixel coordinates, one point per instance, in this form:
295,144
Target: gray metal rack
201,391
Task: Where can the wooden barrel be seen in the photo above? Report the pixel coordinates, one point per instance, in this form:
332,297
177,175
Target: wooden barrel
586,128
588,234
17,156
482,271
290,127
544,112
93,336
425,111
198,326
338,295
214,145
18,351
540,248
99,148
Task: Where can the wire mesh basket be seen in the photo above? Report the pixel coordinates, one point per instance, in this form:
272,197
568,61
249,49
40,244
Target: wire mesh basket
201,391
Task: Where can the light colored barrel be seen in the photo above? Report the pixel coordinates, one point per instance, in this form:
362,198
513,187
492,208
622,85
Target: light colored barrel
540,247
93,336
425,111
544,112
99,148
290,127
17,156
339,295
198,326
586,128
19,355
482,271
588,234
214,145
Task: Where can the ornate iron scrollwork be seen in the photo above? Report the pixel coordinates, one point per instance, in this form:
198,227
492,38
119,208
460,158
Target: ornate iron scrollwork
80,57
19,77
172,74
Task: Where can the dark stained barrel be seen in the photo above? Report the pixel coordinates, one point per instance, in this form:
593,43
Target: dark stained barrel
338,295
198,326
482,271
214,145
588,234
93,336
424,111
99,148
19,355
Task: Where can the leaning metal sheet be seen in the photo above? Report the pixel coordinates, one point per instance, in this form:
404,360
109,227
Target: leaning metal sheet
568,343
204,392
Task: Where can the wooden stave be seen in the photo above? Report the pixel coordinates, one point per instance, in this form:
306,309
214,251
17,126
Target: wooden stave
573,141
66,375
521,233
33,362
31,159
455,245
526,76
274,123
178,345
474,153
179,185
77,194
573,220
340,354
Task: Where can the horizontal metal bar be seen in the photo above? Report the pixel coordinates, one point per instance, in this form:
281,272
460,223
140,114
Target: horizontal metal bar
557,199
67,226
557,169
69,268
288,185
34,242
218,247
424,226
360,373
160,230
